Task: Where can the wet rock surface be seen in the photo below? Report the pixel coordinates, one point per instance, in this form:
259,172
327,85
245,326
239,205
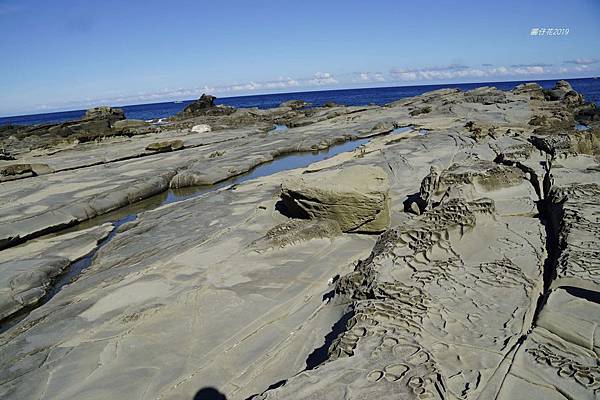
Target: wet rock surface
480,282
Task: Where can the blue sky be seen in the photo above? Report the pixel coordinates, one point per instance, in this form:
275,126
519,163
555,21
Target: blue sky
59,55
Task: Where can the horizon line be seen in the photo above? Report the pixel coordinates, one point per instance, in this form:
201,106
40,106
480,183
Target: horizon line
300,92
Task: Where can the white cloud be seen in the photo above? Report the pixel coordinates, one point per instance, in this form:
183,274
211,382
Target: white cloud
582,61
167,94
529,70
450,72
369,77
280,83
321,79
530,65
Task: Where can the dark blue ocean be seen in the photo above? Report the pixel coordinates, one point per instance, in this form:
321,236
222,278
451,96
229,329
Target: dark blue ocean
589,87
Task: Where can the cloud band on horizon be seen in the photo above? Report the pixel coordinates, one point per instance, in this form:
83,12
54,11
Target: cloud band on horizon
427,75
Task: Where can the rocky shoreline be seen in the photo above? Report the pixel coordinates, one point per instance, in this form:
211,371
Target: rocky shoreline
453,259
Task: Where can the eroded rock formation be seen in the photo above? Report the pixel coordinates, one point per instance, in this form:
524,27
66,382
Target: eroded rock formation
267,288
355,197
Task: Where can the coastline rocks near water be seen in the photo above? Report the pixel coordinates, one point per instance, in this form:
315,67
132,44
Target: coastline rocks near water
563,91
109,113
356,197
205,105
460,264
95,124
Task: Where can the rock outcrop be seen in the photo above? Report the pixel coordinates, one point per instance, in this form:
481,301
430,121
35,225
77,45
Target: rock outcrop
563,92
355,197
205,105
95,124
109,113
533,90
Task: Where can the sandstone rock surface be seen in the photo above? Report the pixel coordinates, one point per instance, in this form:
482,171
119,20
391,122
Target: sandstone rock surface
488,291
26,272
356,197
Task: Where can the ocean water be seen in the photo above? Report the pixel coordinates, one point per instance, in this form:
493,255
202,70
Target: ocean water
590,88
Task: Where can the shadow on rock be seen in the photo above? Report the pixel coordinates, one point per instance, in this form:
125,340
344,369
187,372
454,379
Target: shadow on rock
209,393
414,203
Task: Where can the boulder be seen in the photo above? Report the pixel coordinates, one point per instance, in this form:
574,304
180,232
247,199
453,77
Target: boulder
162,147
201,128
356,197
17,171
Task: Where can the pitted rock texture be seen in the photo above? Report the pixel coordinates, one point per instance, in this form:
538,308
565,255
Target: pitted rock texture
577,216
426,317
298,230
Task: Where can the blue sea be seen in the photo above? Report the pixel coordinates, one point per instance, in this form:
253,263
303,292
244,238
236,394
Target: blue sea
589,87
